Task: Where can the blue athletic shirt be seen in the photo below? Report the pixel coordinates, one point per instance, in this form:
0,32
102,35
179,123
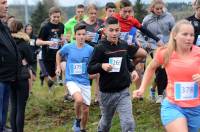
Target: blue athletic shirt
77,62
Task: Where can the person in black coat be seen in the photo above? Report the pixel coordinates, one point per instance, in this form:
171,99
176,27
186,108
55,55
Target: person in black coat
35,49
20,88
9,59
195,21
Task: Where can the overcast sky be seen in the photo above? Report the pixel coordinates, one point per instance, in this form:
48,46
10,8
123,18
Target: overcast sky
74,2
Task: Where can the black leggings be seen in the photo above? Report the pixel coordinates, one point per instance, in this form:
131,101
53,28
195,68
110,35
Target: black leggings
19,96
161,77
161,80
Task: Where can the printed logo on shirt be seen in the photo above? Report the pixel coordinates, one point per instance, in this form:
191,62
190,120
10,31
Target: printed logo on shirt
55,30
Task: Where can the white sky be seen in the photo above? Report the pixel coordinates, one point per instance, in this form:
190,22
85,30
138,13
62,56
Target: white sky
74,2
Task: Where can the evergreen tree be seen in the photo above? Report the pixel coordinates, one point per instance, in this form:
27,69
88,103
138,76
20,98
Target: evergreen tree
41,13
38,16
140,11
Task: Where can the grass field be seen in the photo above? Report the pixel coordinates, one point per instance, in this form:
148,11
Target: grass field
47,112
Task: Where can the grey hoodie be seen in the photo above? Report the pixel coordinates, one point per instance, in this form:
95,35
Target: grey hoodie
159,26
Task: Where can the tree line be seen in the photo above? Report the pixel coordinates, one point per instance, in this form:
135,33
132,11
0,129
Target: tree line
39,12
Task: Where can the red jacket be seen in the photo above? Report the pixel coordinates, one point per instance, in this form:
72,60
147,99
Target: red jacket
127,24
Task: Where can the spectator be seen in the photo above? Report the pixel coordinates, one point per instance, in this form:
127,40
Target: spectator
9,64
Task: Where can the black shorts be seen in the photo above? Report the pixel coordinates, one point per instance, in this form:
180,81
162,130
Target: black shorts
43,69
50,68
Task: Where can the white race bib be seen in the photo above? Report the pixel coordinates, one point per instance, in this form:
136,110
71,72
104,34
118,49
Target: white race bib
198,41
77,68
95,36
56,46
186,91
130,40
116,63
124,36
32,42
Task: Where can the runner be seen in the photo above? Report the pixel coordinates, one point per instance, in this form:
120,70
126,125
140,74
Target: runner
127,22
110,60
180,110
93,24
77,55
50,39
69,33
160,23
69,25
195,21
110,8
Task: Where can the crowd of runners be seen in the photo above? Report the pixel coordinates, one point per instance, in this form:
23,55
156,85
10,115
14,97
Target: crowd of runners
108,53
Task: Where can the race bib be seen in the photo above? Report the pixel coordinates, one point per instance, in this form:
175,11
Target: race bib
198,41
116,63
95,36
77,68
56,46
124,36
186,91
130,40
32,42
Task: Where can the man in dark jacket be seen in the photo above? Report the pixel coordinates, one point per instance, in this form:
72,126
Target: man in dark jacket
9,59
111,58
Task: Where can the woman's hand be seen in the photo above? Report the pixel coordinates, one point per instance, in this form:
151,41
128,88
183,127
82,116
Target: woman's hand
139,93
196,78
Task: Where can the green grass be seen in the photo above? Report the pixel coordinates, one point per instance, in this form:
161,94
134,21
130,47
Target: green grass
47,112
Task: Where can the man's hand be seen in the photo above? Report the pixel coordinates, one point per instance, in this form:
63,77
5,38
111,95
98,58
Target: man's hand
94,76
134,76
51,43
106,67
58,70
89,37
61,42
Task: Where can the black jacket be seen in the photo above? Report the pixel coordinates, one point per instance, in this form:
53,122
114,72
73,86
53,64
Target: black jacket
196,24
112,81
34,48
23,45
9,57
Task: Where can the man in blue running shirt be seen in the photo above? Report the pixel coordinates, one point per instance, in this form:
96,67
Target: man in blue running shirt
77,80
